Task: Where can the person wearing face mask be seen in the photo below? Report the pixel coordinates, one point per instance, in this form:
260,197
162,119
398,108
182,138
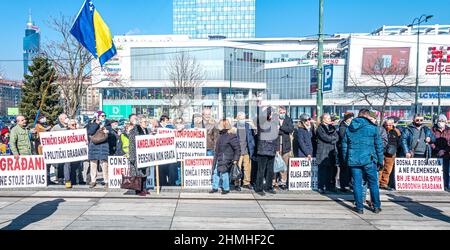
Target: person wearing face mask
441,147
98,153
286,128
390,152
304,138
5,150
41,126
417,138
246,137
344,171
139,129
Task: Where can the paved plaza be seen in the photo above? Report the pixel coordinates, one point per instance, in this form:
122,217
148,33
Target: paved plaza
80,209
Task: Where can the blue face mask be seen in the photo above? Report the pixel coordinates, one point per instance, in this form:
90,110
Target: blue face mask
241,122
282,116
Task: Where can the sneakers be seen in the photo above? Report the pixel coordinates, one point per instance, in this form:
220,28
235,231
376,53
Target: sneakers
92,185
213,191
68,184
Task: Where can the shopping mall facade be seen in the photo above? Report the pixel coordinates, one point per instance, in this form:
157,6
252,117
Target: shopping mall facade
280,71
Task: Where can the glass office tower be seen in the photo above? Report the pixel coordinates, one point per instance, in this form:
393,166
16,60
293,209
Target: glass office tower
204,18
31,44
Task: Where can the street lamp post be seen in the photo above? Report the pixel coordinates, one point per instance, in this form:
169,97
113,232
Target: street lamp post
319,104
440,87
417,21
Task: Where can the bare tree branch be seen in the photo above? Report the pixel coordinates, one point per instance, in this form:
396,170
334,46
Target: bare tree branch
388,80
185,75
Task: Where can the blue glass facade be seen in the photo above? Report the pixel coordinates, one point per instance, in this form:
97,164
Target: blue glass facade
201,18
31,45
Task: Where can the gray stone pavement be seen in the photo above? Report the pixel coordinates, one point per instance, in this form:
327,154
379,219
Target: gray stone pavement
175,209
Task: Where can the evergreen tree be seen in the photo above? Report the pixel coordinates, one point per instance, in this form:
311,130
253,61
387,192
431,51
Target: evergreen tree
33,91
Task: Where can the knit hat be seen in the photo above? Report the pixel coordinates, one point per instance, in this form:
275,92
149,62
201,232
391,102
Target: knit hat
4,131
99,113
348,115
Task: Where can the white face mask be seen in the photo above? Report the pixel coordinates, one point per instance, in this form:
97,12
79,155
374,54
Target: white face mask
43,120
442,124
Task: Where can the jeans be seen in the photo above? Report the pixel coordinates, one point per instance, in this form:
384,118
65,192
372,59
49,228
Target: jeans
370,172
67,170
265,172
225,180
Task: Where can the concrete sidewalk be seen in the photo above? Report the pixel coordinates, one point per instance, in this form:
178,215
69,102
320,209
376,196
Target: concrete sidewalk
96,209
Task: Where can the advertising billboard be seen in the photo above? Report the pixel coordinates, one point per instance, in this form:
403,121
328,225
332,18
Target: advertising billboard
386,61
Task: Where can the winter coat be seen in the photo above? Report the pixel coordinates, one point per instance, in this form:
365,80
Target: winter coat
327,138
114,142
228,150
362,144
250,135
99,152
58,127
266,146
20,141
394,139
441,147
136,131
304,140
212,132
408,144
342,129
286,129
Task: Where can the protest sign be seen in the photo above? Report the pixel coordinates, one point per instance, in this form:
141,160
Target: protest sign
157,149
419,174
197,172
26,171
64,146
190,143
303,174
118,166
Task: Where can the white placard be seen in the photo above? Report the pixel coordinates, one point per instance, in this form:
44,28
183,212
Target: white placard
303,174
24,172
154,150
190,143
198,172
65,146
419,174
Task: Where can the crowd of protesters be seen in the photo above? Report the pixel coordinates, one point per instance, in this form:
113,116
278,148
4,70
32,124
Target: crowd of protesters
356,151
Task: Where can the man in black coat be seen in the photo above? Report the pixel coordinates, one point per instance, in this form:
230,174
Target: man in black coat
327,138
285,145
344,171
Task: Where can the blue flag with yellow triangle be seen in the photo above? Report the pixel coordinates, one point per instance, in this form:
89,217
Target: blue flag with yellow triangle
93,33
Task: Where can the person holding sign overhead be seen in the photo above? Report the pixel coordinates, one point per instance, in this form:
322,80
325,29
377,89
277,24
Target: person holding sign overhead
227,153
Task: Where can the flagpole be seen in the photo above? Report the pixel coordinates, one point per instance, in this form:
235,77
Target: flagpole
44,96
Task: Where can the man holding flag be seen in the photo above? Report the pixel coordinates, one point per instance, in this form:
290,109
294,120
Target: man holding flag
93,33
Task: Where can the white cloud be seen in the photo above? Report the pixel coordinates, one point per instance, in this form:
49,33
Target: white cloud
135,31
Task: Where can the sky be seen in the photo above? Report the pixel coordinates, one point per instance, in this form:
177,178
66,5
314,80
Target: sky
274,18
